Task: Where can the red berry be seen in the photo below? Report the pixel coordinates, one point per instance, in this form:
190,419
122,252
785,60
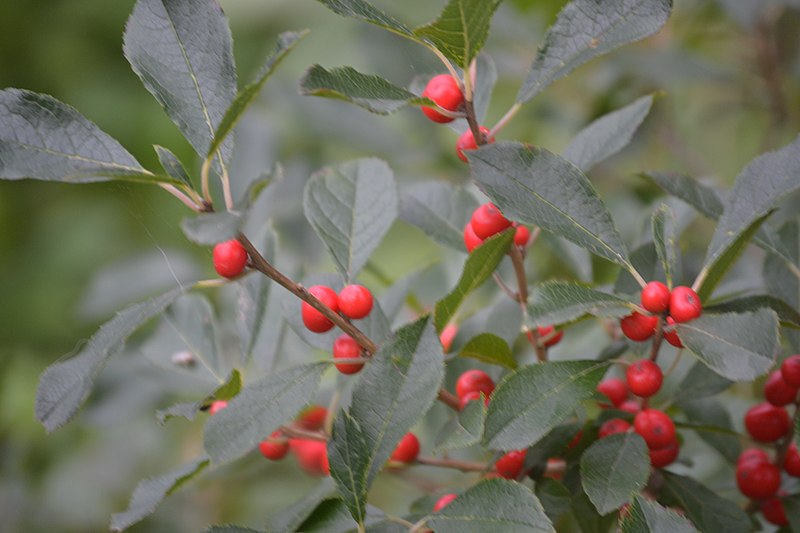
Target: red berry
487,220
470,397
758,481
684,304
752,455
445,92
521,236
217,406
638,327
355,301
510,465
792,462
230,258
773,511
610,427
671,335
407,449
777,391
442,502
665,456
790,368
312,455
313,319
550,338
467,142
274,447
644,378
471,241
446,337
474,380
630,406
312,418
655,297
614,389
655,427
345,347
766,422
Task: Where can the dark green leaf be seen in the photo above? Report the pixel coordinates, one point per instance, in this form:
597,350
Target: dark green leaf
440,210
463,430
493,505
554,496
360,9
782,278
607,135
351,207
645,260
230,529
791,506
645,516
613,468
64,386
491,349
586,515
534,186
172,165
737,346
701,382
461,29
707,510
788,316
575,257
331,516
709,412
288,519
557,302
261,408
349,465
586,29
665,239
527,404
150,492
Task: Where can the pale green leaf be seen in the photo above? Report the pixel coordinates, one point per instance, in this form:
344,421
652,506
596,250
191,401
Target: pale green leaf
491,349
614,468
463,430
440,210
557,302
360,9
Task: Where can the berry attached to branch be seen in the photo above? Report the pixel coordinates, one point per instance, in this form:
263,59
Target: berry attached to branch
684,304
445,91
345,347
230,258
313,319
467,142
355,301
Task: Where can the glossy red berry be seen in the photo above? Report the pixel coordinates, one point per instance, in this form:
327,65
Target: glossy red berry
790,368
638,327
471,241
355,301
487,220
521,236
773,511
407,449
630,406
792,461
684,304
312,456
766,422
614,389
474,381
655,427
777,391
665,456
217,406
230,258
670,335
274,447
655,297
445,92
758,481
313,319
467,142
443,502
312,418
510,465
753,455
470,397
345,347
546,333
644,378
610,427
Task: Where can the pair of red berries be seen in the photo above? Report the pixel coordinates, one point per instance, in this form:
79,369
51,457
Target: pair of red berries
276,446
471,384
487,220
230,258
617,391
354,301
681,304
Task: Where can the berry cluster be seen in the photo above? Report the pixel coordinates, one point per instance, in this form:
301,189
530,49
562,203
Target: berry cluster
230,258
681,304
487,220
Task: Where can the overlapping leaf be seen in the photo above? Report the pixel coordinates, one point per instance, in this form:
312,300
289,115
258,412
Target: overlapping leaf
666,242
705,508
440,210
557,302
491,349
614,468
463,430
645,516
360,9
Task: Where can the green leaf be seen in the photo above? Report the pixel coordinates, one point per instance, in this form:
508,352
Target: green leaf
607,135
463,430
331,516
290,518
491,349
65,385
787,314
707,510
710,412
286,43
572,255
534,186
701,382
665,239
460,30
781,278
191,320
613,468
45,139
183,53
557,302
527,404
212,228
791,506
493,505
172,165
586,515
396,390
261,408
351,207
440,210
645,261
228,390
586,29
369,91
359,9
150,492
252,303
479,266
737,346
644,516
554,496
230,529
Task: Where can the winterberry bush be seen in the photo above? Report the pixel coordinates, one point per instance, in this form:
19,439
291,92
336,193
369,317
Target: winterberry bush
546,440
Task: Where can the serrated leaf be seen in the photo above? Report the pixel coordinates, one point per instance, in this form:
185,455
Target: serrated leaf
64,386
359,9
493,505
172,165
332,516
394,392
787,314
535,186
150,492
460,30
701,382
666,242
737,346
351,207
710,412
645,516
286,43
557,302
607,135
183,53
42,138
440,210
288,519
586,29
491,349
463,430
369,91
707,510
527,404
613,468
259,409
479,266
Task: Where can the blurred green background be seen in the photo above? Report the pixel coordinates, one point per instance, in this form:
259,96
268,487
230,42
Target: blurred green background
72,255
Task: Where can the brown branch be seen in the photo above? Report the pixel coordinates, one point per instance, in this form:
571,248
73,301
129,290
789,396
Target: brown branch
657,340
449,399
464,466
522,283
469,109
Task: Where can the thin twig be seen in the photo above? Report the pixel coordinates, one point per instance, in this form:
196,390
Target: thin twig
295,432
464,466
180,195
449,399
